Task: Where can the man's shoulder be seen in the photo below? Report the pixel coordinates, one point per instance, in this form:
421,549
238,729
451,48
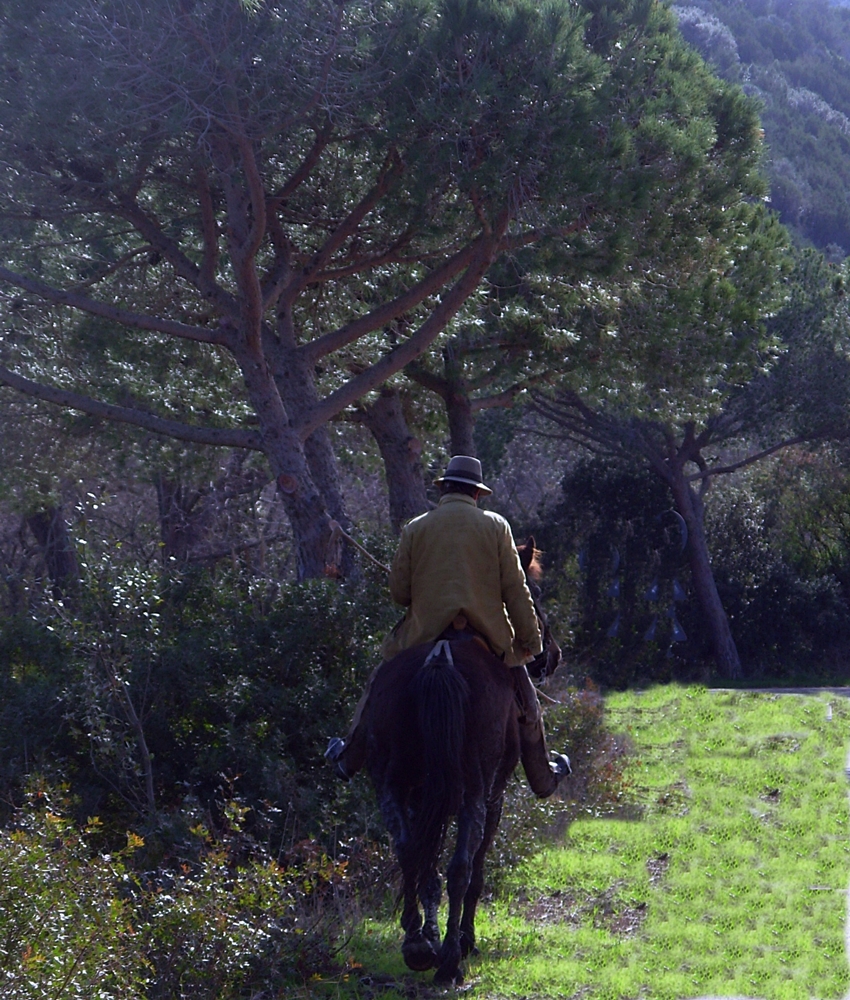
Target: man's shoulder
493,516
486,520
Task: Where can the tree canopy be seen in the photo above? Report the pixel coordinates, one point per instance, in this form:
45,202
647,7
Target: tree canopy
259,214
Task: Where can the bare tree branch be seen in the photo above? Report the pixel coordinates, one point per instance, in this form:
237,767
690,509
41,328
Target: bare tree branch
388,311
209,226
721,470
128,208
391,168
505,398
124,317
395,360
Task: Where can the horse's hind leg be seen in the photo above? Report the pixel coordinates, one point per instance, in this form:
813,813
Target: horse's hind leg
470,831
476,881
419,948
430,892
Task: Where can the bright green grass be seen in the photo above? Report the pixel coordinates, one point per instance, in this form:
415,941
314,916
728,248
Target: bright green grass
732,881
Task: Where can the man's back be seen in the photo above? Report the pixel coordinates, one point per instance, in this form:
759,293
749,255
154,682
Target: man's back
458,559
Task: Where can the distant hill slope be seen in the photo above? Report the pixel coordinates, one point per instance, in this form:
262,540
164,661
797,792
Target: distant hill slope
794,56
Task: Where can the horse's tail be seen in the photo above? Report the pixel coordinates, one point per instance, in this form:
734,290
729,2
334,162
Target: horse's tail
442,696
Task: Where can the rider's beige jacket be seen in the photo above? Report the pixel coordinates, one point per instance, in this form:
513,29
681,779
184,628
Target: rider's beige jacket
459,559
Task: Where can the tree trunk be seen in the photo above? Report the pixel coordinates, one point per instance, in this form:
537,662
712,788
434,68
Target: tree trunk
295,382
179,524
690,506
51,532
318,450
401,453
286,454
461,423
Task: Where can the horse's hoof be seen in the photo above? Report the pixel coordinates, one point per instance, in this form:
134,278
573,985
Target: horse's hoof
467,946
419,954
450,978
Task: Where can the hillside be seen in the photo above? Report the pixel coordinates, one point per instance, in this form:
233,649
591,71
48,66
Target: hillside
794,58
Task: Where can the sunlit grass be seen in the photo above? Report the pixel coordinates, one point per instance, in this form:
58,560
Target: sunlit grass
729,879
733,881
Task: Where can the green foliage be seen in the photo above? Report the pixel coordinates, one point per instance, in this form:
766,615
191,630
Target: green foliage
201,685
780,551
494,431
66,920
226,927
805,390
77,923
33,674
780,555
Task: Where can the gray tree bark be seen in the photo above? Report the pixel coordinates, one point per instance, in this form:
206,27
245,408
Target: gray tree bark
690,505
50,531
401,452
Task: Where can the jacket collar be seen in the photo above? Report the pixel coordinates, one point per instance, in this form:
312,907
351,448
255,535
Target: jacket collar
456,498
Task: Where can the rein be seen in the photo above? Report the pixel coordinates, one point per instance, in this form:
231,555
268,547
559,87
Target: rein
549,698
337,531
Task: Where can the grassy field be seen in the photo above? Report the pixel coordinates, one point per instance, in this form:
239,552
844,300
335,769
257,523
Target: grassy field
728,876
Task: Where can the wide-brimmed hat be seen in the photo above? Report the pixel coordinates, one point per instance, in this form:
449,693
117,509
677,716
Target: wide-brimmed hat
464,469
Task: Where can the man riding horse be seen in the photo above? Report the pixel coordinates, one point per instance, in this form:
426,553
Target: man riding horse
458,573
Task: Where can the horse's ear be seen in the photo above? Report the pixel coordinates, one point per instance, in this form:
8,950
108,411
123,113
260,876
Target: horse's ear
526,553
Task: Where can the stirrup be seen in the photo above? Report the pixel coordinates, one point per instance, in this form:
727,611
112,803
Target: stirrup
560,765
333,753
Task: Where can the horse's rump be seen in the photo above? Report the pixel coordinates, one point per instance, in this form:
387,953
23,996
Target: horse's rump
439,732
408,706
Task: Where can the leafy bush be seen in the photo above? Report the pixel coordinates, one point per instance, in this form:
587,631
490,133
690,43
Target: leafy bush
66,923
780,550
33,672
76,923
156,698
223,929
621,572
781,557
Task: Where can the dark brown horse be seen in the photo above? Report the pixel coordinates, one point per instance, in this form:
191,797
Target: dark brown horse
547,662
444,740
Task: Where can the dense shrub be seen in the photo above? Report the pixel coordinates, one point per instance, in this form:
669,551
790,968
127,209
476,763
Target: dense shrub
34,669
613,548
79,923
779,538
781,569
66,923
254,864
153,698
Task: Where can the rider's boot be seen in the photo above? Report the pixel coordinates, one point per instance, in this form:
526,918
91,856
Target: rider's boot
347,756
544,775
